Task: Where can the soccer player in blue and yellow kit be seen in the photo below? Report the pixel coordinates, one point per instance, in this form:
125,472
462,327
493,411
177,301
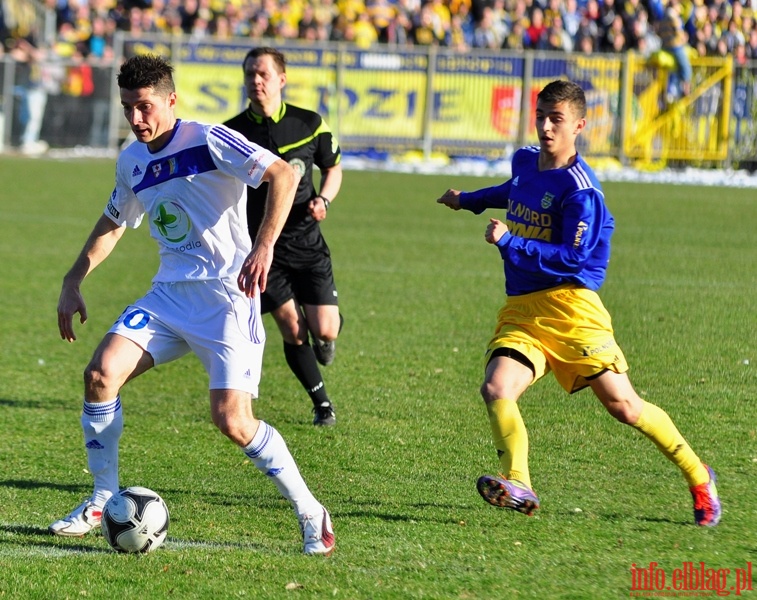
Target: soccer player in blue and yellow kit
555,245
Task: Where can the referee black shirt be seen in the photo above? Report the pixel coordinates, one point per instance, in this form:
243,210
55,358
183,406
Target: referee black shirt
303,139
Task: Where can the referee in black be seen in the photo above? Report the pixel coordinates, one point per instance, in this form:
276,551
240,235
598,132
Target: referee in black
300,293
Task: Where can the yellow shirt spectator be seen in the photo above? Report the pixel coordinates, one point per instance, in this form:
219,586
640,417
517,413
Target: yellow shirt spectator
351,8
364,31
382,13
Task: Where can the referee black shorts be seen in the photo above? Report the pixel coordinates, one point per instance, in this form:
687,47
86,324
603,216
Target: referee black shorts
310,282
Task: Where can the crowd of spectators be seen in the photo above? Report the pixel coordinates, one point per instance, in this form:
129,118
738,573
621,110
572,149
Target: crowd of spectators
71,59
712,27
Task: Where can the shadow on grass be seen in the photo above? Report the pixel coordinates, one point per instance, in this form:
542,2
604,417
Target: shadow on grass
217,497
210,498
24,530
49,546
388,512
619,517
41,403
34,485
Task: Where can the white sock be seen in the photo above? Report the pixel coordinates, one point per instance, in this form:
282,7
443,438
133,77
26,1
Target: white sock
269,453
103,423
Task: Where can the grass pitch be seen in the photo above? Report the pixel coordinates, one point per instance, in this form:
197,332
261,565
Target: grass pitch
419,288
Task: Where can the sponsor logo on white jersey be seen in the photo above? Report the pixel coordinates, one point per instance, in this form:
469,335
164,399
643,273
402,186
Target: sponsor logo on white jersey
172,222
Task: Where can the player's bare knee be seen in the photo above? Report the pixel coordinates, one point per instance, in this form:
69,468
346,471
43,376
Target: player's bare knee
624,410
292,340
227,428
324,328
292,333
490,392
239,433
96,378
318,331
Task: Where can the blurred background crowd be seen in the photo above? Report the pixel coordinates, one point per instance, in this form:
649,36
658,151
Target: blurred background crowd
65,48
707,27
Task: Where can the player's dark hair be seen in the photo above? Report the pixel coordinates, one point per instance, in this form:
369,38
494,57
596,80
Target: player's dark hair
278,57
564,91
147,71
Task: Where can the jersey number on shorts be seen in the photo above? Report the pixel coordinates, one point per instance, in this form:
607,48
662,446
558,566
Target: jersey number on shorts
135,319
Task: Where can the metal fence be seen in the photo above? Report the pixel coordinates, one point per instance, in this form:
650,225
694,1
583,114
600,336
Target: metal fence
389,101
58,103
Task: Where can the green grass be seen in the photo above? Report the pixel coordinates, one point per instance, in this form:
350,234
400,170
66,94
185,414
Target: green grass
419,288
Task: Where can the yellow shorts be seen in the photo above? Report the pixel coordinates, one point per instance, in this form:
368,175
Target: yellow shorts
566,330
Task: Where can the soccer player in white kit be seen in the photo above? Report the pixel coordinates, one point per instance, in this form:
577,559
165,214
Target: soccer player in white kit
189,180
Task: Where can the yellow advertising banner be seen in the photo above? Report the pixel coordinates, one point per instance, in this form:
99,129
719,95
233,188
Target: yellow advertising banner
383,104
373,99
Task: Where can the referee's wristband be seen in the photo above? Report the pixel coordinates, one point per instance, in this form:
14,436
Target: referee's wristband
326,201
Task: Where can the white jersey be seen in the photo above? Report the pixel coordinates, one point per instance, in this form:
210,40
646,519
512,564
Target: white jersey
194,193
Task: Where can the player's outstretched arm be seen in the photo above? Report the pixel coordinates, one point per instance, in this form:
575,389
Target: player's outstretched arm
450,198
282,185
98,246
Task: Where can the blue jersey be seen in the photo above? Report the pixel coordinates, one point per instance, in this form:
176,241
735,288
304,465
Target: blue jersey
559,226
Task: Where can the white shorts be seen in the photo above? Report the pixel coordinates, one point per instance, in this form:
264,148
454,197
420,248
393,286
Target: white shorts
211,318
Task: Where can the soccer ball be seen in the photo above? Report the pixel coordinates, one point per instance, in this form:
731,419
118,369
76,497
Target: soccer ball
135,520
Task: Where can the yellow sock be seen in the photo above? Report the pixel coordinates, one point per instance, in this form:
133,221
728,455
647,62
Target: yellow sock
510,439
658,427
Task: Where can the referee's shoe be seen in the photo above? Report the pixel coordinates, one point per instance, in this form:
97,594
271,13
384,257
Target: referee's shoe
324,415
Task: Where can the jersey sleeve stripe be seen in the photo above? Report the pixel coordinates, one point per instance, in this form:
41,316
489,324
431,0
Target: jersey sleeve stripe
582,178
579,177
232,141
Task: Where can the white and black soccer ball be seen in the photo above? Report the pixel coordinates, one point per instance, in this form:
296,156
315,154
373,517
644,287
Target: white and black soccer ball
135,520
